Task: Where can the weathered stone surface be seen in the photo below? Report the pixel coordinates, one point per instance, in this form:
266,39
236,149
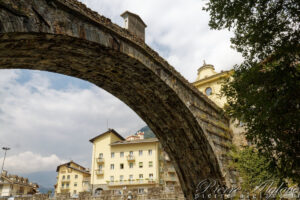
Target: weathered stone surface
64,36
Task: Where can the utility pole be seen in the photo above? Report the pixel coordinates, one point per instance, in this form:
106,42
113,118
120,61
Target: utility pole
5,150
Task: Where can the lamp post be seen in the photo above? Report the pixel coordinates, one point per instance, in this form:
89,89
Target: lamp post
5,150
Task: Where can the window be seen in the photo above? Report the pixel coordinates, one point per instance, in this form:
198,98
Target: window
208,91
140,152
112,166
140,164
75,184
141,191
131,153
68,177
100,155
121,178
62,185
150,164
141,178
121,154
112,178
150,152
112,154
130,165
76,176
67,184
63,177
121,166
75,192
151,176
130,178
100,167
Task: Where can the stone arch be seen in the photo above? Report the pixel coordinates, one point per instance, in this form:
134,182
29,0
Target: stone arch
67,38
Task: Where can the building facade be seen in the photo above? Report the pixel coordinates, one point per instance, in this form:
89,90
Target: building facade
119,163
209,82
13,185
72,179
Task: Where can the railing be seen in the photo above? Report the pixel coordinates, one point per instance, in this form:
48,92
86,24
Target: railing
65,180
100,160
171,169
99,171
161,169
130,158
132,182
65,188
86,179
171,179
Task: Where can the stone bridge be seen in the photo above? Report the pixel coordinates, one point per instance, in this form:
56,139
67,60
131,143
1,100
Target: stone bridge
66,37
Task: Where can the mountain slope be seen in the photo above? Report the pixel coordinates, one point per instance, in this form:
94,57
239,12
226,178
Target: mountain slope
148,132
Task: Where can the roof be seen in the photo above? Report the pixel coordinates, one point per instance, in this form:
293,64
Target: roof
68,165
28,184
208,79
206,66
148,140
132,14
109,131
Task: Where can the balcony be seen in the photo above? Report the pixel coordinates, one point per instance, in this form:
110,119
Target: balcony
171,179
132,182
65,180
130,158
161,169
99,172
64,188
86,179
100,160
171,170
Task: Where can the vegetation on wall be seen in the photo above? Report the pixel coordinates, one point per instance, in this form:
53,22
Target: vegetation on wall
265,91
253,168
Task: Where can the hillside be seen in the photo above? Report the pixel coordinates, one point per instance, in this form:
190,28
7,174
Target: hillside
148,132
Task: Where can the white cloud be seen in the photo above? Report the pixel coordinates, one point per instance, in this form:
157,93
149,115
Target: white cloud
29,162
38,118
178,30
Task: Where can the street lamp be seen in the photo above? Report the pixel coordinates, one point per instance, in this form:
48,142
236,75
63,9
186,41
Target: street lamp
5,150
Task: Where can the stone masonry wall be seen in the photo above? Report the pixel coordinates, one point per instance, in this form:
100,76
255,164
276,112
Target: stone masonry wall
66,37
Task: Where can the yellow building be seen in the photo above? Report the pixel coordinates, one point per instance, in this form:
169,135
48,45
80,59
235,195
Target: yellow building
13,185
119,163
209,82
72,178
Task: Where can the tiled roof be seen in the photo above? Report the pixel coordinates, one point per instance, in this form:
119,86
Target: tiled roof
109,131
148,140
68,165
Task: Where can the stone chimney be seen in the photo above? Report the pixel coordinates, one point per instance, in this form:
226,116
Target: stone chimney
134,24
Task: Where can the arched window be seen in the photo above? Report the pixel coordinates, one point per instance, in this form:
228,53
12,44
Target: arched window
208,91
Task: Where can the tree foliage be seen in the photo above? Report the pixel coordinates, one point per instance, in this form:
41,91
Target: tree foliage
265,90
252,167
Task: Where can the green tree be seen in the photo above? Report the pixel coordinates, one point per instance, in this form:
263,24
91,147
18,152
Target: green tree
252,167
265,90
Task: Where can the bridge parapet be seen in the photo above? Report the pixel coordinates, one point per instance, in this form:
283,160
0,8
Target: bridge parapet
64,36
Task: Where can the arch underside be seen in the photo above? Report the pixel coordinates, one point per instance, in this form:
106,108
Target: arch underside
53,36
127,79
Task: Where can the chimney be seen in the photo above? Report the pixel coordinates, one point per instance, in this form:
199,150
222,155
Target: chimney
134,24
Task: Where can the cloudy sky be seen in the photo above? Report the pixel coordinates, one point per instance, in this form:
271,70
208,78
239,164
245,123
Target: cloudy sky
47,118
